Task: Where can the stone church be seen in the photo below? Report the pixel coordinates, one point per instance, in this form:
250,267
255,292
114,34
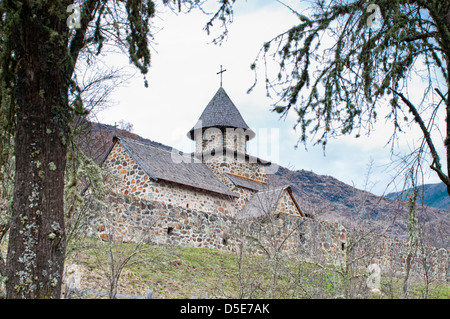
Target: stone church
201,199
219,177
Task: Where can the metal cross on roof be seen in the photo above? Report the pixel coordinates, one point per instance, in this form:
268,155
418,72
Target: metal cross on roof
220,72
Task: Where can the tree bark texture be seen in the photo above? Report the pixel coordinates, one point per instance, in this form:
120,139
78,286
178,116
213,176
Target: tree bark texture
36,249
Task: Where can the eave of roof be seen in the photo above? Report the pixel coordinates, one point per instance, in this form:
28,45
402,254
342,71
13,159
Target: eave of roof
245,182
229,151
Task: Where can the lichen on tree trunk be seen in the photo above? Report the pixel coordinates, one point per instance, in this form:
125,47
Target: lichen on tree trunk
35,259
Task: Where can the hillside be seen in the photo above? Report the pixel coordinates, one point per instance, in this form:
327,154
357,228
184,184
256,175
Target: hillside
188,272
332,200
434,195
321,196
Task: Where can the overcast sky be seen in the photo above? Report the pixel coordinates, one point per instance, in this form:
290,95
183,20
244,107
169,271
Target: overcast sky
182,80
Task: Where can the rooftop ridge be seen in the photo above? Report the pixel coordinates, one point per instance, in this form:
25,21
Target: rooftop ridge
155,147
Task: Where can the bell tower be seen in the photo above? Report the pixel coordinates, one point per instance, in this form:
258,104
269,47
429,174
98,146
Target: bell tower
220,127
221,137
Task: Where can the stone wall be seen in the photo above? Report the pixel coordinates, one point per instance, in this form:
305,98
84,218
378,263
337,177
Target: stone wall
330,243
391,255
236,139
129,179
214,138
286,205
209,140
138,219
316,240
238,165
135,219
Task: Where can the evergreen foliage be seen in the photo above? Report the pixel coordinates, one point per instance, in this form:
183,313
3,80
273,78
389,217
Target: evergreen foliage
337,65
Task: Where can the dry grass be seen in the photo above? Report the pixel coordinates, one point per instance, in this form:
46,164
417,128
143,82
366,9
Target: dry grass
171,272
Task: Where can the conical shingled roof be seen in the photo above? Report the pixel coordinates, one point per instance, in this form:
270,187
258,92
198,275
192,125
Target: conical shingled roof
221,113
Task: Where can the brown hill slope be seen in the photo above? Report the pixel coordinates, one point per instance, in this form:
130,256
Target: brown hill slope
332,200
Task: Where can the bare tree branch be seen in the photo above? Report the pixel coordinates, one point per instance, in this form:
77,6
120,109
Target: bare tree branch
436,165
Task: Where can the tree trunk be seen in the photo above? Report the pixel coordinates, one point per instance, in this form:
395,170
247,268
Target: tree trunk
442,19
36,249
447,100
447,139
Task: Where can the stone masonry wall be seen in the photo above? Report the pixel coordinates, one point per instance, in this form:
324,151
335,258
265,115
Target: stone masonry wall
314,239
211,139
391,255
214,139
155,222
286,205
134,219
227,163
130,179
236,140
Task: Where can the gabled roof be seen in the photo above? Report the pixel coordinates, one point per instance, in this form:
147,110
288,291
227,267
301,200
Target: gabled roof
246,183
221,113
172,166
264,202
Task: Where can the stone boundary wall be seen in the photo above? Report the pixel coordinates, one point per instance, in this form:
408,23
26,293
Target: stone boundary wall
391,255
323,240
314,240
137,219
331,243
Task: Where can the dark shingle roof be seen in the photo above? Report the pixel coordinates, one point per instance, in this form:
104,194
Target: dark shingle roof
221,113
173,166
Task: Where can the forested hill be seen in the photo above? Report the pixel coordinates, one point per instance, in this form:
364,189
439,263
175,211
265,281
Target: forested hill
324,197
434,195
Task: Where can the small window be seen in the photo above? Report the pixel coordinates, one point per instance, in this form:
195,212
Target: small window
225,238
302,238
343,246
169,230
